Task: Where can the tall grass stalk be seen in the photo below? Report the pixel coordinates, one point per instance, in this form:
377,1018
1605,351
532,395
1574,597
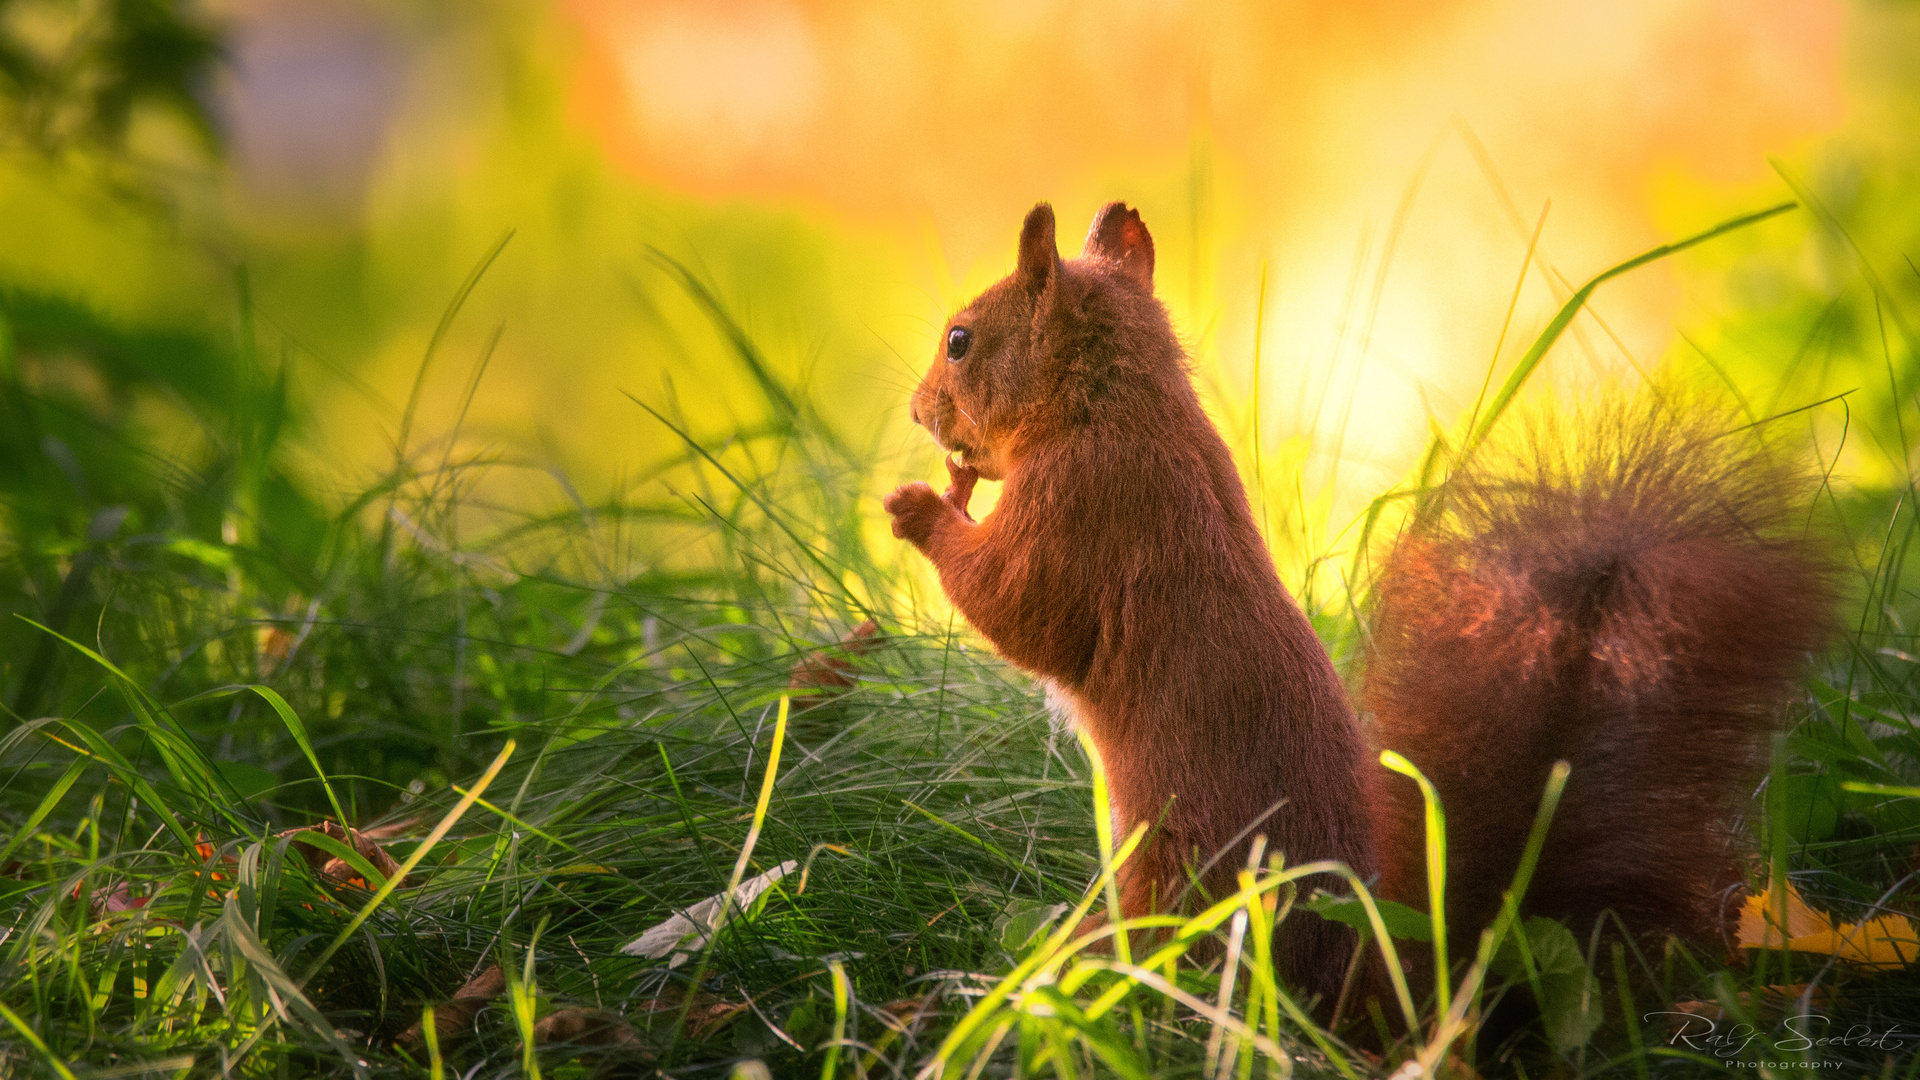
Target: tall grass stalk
830,1068
1436,841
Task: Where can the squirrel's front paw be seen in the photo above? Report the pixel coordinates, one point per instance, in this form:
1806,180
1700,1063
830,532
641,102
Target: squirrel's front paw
915,508
960,488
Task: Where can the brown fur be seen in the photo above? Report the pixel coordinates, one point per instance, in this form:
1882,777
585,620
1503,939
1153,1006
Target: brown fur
1122,564
1636,598
1638,607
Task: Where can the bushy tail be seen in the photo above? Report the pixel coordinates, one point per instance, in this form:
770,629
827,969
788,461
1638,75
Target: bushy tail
1634,593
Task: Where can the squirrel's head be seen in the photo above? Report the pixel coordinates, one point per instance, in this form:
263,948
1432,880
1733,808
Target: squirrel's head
1040,351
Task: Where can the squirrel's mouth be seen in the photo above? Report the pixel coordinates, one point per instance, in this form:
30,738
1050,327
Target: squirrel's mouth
977,459
941,416
969,455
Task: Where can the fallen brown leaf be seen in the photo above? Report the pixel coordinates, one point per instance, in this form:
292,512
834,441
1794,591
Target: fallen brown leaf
600,1038
906,1015
453,1020
706,1015
1772,999
338,869
118,898
599,1028
701,1024
823,676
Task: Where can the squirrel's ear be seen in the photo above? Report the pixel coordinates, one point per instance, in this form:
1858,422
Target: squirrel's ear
1039,257
1118,235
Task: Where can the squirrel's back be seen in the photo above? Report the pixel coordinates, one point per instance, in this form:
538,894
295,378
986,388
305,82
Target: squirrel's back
1632,592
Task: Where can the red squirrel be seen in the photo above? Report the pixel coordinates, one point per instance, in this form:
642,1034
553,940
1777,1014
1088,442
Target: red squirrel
1617,610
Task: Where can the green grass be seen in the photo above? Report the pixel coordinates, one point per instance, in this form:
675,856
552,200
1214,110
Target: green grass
567,718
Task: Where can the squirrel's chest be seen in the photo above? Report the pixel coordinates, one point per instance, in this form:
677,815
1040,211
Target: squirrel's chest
1062,707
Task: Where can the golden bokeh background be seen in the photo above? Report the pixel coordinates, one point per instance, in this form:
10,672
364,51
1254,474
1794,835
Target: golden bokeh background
843,174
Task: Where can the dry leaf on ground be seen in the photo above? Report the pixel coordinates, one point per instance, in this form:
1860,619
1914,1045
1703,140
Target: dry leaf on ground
822,677
453,1020
705,1015
688,932
1772,999
118,898
337,869
1887,942
600,1033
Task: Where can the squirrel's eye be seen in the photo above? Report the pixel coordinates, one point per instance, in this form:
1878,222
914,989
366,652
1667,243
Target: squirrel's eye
958,339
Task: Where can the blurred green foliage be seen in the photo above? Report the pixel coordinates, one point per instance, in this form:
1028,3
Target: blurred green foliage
74,72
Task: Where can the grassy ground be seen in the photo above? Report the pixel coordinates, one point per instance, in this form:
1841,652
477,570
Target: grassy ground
562,724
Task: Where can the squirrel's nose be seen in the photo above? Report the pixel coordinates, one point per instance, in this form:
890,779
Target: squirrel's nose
913,411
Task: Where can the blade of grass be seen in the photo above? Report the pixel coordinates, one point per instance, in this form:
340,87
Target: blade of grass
1229,968
523,996
52,799
1103,831
840,994
288,997
178,750
345,853
1436,876
299,732
759,811
436,1065
99,749
687,815
1538,351
1628,1011
987,1008
445,324
1506,324
1273,998
515,821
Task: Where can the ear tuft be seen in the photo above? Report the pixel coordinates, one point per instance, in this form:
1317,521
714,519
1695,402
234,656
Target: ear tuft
1119,236
1039,256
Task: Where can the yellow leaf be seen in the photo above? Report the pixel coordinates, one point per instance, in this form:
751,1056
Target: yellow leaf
1759,914
1890,941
